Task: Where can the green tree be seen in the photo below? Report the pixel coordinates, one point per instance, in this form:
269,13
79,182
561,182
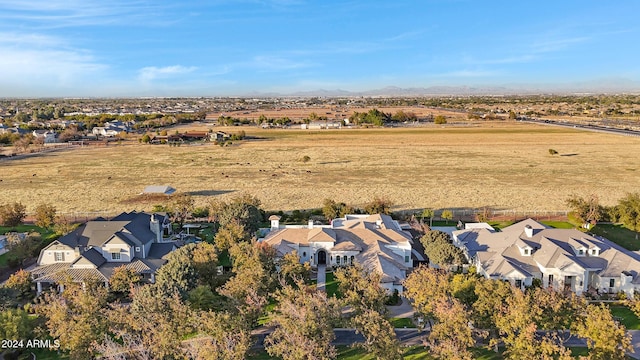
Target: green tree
291,269
558,310
202,298
380,339
226,337
145,138
178,274
181,208
516,323
427,213
205,262
606,338
440,250
492,295
251,282
229,235
378,206
463,288
587,211
157,321
333,210
447,215
512,115
15,324
425,287
302,321
450,337
23,248
440,119
21,282
243,210
75,317
361,288
45,216
123,279
629,211
12,215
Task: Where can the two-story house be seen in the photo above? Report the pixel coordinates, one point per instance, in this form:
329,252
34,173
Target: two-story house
95,249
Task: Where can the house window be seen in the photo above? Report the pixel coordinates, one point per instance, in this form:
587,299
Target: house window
115,256
612,283
351,260
337,260
580,252
406,258
58,256
344,259
550,279
519,284
526,251
304,254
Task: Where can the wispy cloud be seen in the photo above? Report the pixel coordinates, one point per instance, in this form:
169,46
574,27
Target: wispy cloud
44,58
469,73
73,13
557,44
151,73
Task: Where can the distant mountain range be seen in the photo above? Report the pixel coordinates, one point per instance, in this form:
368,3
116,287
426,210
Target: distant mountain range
604,87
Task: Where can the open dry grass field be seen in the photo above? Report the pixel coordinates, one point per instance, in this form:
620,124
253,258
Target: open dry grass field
334,112
501,165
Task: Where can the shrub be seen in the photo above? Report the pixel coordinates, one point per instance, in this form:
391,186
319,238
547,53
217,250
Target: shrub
553,152
440,119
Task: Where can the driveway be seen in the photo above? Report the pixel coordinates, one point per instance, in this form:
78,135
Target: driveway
322,277
404,310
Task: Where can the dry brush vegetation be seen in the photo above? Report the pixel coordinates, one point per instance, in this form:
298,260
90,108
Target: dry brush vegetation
497,164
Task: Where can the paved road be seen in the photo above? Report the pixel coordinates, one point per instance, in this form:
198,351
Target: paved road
596,128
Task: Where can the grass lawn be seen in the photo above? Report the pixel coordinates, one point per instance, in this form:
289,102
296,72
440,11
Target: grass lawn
618,234
332,286
498,225
402,323
628,318
264,319
3,259
46,234
559,224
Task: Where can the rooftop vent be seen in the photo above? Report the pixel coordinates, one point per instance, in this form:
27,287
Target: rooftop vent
528,230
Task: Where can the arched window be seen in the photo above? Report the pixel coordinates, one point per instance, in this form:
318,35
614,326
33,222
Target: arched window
337,260
304,254
351,260
344,259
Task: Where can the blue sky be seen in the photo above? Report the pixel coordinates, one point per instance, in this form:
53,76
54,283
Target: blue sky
227,48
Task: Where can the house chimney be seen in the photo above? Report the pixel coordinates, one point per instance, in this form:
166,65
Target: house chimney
379,223
310,224
275,222
528,230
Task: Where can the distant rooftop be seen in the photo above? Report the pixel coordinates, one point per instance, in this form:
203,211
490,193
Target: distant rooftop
159,189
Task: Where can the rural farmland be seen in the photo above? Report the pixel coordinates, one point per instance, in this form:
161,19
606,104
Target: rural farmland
501,165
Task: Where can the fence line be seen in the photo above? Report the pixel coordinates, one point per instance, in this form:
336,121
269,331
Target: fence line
471,214
458,214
